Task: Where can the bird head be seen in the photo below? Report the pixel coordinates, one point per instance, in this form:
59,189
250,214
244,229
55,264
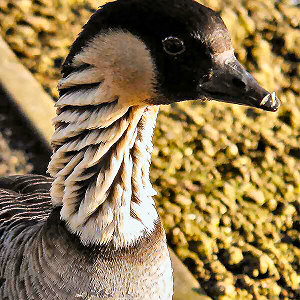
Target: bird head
159,52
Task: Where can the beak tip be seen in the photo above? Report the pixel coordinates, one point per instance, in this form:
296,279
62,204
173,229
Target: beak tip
270,102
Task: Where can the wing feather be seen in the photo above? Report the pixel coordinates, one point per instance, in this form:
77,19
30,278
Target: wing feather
24,198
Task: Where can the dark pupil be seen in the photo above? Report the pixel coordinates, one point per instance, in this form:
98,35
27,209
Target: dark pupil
173,46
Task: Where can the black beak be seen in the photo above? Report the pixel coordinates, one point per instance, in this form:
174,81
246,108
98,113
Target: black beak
230,82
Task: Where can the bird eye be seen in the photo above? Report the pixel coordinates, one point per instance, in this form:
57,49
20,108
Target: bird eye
173,45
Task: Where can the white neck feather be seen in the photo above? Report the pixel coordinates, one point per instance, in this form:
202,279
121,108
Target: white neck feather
102,150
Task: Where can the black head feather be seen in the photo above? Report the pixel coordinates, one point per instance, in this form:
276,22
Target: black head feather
165,26
200,28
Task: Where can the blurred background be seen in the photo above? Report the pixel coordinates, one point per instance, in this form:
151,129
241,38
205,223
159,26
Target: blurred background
227,177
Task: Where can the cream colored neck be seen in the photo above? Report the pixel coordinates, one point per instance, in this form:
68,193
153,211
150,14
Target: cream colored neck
101,171
103,142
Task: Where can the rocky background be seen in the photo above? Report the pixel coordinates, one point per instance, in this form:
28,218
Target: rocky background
227,177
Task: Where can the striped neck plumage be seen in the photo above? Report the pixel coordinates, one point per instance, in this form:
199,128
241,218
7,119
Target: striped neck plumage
102,150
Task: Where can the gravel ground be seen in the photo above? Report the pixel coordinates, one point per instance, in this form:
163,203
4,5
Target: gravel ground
227,177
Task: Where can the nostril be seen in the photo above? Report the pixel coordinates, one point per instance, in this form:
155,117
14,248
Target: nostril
238,83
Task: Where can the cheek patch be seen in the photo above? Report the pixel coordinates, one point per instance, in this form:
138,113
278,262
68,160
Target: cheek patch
125,64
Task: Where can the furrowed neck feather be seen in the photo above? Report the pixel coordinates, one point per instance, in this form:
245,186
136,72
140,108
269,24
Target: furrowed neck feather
102,144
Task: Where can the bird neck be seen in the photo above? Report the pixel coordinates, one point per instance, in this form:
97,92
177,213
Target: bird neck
100,167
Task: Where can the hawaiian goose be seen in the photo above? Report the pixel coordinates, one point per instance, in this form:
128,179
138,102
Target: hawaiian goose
92,232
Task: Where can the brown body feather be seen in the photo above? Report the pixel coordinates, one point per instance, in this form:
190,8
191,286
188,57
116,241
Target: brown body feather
41,259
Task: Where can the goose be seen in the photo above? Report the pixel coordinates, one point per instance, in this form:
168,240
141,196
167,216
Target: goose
91,230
